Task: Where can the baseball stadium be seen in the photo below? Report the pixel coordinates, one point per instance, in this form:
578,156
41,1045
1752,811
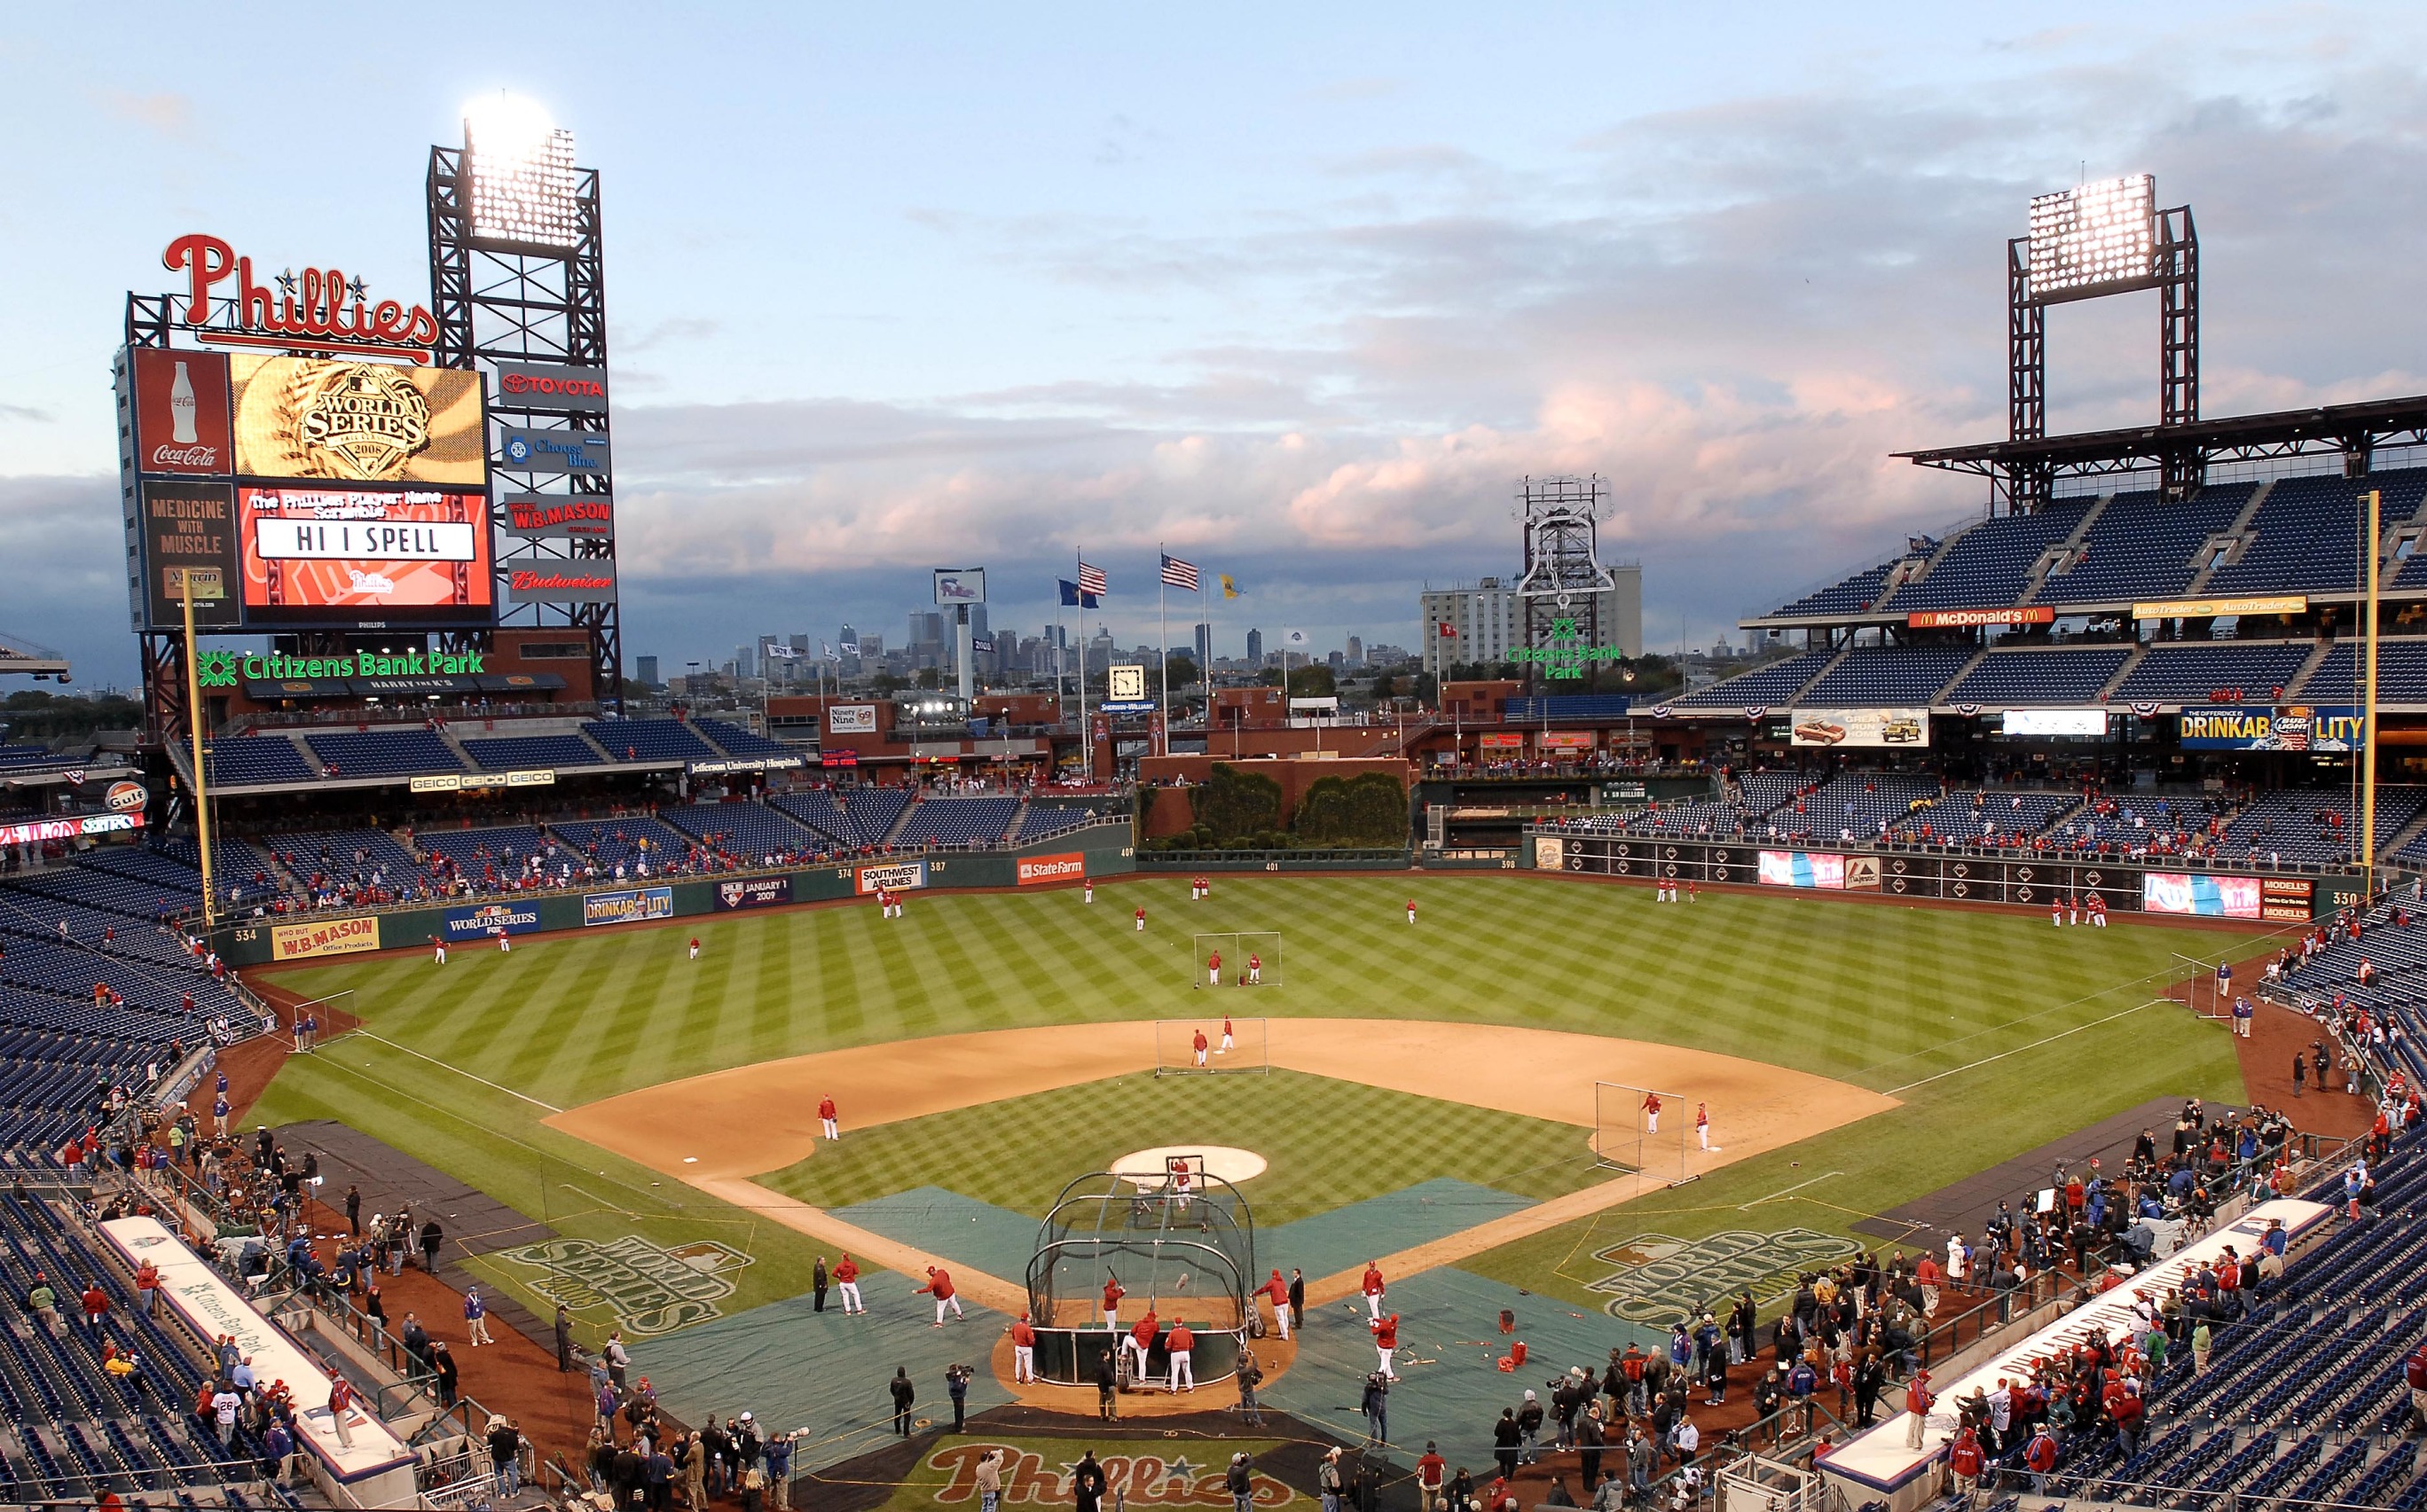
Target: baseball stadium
1968,1056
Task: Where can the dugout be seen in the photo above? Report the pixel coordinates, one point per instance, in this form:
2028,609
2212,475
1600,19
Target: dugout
1186,1248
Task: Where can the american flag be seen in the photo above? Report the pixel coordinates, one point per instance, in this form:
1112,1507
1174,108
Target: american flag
1091,580
1179,574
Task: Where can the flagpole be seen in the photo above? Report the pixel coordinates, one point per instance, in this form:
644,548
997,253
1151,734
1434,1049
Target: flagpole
1162,623
1086,736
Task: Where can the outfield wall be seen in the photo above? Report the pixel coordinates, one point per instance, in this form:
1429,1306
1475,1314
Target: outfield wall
2152,888
1101,851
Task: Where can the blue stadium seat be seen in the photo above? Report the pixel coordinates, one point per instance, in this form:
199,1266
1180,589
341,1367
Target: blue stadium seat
648,739
2192,672
383,753
958,822
524,752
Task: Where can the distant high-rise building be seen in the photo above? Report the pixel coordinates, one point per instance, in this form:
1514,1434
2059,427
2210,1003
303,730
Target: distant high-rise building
1204,647
1256,647
741,664
1357,650
648,672
850,636
1337,660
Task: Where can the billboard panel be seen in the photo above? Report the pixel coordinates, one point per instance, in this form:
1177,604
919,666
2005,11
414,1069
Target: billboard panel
2056,722
626,905
2291,728
754,892
851,719
1861,726
181,413
1937,619
960,585
326,555
1804,868
577,580
590,516
479,923
306,418
334,937
1068,866
894,876
187,524
553,387
2174,892
553,451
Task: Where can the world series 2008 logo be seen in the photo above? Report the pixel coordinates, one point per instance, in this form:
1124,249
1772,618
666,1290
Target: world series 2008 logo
1660,1279
651,1290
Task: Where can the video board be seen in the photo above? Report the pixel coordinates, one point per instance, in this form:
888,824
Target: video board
340,494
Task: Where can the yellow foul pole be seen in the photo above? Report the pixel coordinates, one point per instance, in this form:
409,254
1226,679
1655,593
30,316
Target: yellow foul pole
206,583
2368,709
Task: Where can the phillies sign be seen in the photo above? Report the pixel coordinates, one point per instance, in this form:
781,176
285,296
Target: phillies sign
310,309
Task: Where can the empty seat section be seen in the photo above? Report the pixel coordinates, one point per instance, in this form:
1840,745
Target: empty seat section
2039,676
383,752
1989,565
513,753
648,739
1768,686
959,821
2142,546
2198,671
1873,676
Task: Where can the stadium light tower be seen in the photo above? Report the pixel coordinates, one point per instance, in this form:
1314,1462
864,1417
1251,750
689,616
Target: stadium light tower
2103,237
517,280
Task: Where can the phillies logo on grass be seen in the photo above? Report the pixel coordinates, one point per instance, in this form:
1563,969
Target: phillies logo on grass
1030,1479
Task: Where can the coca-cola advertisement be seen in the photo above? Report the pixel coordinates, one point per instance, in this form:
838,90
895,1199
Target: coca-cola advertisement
181,413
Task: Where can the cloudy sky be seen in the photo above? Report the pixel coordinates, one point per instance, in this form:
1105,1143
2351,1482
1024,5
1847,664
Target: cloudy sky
1299,291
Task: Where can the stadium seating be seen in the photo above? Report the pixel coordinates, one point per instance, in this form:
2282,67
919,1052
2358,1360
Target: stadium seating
347,858
1851,595
1873,676
2039,675
747,832
504,849
523,753
2192,672
2142,547
1766,687
1038,823
2304,537
93,888
1977,817
626,841
245,760
736,741
958,822
383,752
2294,825
1990,564
648,739
1861,801
859,818
69,1425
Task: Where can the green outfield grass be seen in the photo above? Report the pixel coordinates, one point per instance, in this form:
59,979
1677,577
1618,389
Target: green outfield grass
1880,994
1019,1154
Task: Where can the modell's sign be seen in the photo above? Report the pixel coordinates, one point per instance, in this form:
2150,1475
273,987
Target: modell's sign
319,308
591,516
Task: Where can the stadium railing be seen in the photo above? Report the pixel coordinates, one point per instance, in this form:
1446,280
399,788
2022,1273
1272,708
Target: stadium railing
1382,858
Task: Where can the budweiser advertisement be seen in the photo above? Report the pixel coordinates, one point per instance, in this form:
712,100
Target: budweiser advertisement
357,555
304,417
589,517
580,581
181,411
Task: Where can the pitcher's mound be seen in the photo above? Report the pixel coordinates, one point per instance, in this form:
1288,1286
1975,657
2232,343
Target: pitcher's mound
1149,1167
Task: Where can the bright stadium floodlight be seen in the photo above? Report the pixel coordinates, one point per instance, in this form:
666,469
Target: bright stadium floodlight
522,173
2097,238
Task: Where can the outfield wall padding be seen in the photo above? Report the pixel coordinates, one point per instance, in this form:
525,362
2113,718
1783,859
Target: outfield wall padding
611,904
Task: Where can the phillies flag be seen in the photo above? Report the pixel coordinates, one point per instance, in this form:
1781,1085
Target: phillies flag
1449,631
1091,580
1179,574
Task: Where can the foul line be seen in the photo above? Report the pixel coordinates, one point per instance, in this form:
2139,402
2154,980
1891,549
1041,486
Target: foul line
2034,1045
365,1033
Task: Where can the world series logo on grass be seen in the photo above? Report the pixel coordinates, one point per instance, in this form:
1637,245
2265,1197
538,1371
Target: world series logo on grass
1661,1278
650,1288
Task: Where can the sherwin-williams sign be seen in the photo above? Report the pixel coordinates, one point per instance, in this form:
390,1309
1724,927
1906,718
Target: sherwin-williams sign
2291,727
627,906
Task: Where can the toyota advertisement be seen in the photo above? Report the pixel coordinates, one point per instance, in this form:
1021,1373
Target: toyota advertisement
319,554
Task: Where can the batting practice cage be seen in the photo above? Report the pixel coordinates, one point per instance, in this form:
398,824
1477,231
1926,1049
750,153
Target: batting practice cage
1642,1129
1179,1243
1246,958
1232,1044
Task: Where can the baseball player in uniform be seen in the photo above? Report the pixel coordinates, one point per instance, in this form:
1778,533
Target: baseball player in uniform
1227,1040
940,1286
826,1118
1201,1043
1023,1351
1386,1341
1411,910
1213,970
1276,1292
1141,919
1113,1295
1180,1347
1139,1341
1087,890
694,947
1255,969
1177,1170
505,942
437,944
846,1275
1652,1112
1372,1287
1702,1123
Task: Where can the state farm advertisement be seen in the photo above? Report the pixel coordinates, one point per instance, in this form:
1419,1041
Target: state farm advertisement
322,553
1068,866
181,413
